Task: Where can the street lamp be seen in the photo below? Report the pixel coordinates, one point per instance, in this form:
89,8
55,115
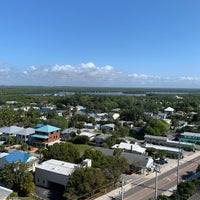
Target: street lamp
122,189
157,170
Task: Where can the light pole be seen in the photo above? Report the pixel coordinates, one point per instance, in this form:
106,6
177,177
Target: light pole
122,189
156,169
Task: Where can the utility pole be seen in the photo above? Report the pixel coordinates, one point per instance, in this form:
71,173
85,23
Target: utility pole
122,190
156,181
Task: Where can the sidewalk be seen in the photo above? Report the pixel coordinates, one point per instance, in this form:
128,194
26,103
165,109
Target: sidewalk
164,168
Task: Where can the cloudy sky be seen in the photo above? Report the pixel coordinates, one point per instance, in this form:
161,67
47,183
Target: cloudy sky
109,43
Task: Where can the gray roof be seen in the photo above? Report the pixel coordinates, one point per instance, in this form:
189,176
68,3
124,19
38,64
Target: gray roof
26,131
156,137
190,134
10,129
139,160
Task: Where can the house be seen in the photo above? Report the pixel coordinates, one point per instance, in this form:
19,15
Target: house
19,156
88,134
136,148
9,131
25,134
101,138
138,163
169,110
4,193
110,127
56,172
46,135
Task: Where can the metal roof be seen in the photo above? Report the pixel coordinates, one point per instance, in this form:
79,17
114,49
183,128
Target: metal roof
47,129
17,155
26,131
40,136
10,129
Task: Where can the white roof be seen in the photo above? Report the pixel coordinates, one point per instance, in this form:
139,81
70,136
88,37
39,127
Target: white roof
169,109
3,154
87,134
57,166
191,134
128,146
162,147
5,192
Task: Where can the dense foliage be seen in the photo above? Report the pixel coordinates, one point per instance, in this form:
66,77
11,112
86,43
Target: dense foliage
17,177
62,151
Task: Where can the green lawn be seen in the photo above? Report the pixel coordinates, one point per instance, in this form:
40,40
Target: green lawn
83,147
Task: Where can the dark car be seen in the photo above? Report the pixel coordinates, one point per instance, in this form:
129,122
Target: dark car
161,161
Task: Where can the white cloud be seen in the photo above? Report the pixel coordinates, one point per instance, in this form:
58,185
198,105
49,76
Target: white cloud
90,75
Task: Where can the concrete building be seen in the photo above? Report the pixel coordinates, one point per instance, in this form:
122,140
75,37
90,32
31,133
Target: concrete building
56,172
53,171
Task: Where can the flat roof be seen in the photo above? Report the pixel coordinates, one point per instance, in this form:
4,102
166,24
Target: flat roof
155,137
162,147
58,166
191,134
184,143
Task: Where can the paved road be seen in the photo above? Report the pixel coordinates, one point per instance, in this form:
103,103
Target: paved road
146,189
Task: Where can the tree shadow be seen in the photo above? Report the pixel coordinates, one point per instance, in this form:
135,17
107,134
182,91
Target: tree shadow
188,175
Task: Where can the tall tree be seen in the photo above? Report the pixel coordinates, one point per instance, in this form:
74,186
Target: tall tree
62,151
84,182
17,177
157,127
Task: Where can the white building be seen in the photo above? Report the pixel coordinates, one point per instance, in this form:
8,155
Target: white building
136,148
53,171
56,171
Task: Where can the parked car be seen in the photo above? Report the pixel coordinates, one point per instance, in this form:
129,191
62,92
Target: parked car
161,161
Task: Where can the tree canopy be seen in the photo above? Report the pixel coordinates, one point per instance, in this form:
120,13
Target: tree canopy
62,151
17,177
156,127
84,182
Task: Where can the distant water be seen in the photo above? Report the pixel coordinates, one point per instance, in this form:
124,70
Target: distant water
112,93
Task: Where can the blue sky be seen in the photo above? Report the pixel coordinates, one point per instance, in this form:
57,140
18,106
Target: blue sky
110,43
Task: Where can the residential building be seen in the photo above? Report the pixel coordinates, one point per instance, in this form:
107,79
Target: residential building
19,156
132,148
25,134
46,135
9,131
110,127
138,163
